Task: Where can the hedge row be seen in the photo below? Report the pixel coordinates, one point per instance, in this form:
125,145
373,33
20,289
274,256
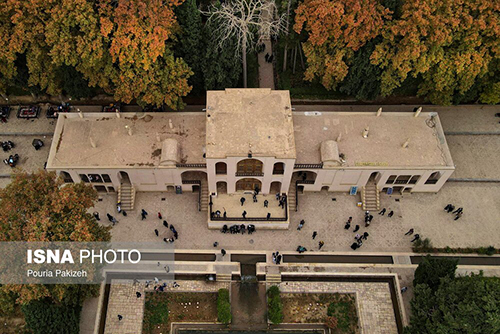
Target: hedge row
44,317
223,306
274,305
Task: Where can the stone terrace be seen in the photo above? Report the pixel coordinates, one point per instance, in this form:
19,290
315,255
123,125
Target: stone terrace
374,303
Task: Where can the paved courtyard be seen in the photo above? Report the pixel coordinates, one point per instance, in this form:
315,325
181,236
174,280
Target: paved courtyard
232,205
423,212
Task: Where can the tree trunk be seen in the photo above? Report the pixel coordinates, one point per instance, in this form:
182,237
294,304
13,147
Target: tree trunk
294,59
301,57
285,54
244,54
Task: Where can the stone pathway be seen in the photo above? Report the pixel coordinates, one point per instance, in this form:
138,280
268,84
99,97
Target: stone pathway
374,304
266,71
123,301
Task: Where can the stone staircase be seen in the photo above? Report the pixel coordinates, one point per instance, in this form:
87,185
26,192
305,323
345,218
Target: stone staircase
273,278
223,277
204,196
291,199
126,196
370,197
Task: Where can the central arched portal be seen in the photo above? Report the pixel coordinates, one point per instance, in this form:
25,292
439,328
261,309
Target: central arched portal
248,184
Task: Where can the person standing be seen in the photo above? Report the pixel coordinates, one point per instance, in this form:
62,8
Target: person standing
321,244
314,235
156,232
365,235
356,228
390,214
120,317
244,214
223,252
382,212
255,198
416,237
266,203
268,215
159,216
410,232
347,225
301,225
242,200
138,294
165,223
278,259
96,216
143,214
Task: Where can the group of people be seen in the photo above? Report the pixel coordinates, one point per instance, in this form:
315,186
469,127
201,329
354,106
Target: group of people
415,237
7,145
277,257
359,237
450,208
12,160
235,229
269,58
175,234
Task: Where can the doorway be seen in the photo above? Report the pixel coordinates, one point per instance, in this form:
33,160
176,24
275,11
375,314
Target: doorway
248,184
124,178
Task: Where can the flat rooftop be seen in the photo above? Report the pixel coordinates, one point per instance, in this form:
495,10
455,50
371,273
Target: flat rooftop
240,121
383,147
116,148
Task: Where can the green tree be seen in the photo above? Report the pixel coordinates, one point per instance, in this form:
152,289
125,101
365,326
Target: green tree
190,45
36,207
430,271
221,69
44,317
469,304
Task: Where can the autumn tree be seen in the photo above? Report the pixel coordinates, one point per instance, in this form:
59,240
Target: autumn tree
37,207
336,29
451,44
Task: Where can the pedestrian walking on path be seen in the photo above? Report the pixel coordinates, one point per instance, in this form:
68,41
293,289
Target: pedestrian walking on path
165,223
390,214
404,289
120,317
321,244
459,210
457,217
266,203
382,212
314,235
156,232
143,214
416,237
96,216
242,200
244,214
216,244
347,225
410,232
138,294
159,216
268,215
365,235
223,252
301,225
356,228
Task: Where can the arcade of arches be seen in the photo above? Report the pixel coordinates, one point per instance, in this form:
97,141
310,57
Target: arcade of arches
248,184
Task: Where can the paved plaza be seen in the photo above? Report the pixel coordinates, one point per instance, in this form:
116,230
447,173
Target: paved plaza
232,204
326,214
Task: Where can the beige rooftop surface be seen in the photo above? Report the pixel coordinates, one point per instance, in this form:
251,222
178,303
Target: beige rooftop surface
116,148
240,121
386,136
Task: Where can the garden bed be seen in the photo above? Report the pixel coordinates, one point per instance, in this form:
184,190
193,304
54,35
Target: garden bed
312,308
164,308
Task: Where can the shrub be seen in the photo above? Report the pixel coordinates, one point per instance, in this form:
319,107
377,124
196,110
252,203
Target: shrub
341,312
487,250
156,311
331,322
274,305
43,317
223,306
431,271
422,246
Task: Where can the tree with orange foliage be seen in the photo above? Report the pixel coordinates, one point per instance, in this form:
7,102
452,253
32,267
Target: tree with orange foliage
452,44
36,207
336,29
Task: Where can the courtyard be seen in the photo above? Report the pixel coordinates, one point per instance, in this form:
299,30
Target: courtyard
325,213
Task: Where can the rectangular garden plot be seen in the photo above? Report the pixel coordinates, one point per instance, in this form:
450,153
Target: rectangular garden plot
337,311
163,308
